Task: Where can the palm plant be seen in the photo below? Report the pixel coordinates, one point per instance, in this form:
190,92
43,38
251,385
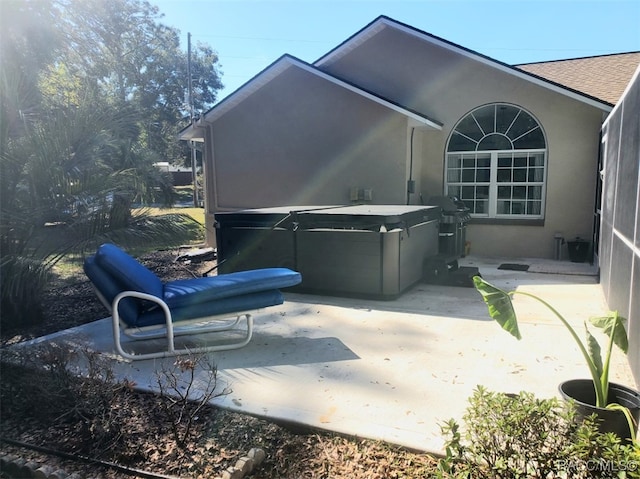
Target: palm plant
612,324
68,181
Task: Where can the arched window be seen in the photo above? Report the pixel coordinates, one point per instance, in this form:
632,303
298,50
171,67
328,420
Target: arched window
496,163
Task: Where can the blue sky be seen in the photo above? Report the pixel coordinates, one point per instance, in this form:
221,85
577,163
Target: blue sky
250,34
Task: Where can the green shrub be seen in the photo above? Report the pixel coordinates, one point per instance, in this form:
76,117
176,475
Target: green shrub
23,281
520,436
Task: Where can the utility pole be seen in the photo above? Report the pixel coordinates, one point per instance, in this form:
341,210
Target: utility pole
194,176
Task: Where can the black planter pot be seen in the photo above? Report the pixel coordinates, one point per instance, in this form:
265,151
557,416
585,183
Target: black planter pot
584,396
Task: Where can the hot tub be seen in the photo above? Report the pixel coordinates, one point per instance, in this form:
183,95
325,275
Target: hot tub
361,250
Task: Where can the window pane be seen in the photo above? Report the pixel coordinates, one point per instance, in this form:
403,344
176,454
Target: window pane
483,175
505,161
534,139
481,207
536,174
467,192
469,162
504,207
520,162
453,176
534,207
453,191
523,124
468,176
486,118
495,141
454,161
470,128
520,192
482,192
536,159
484,161
504,192
504,176
534,192
518,207
460,143
504,117
520,175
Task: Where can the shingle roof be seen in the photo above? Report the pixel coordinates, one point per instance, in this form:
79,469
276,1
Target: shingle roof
603,77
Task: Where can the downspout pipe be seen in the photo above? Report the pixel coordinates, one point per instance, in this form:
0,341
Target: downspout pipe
411,184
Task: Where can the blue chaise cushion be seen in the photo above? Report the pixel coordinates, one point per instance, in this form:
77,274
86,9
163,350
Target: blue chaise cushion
110,288
113,271
185,292
233,304
128,272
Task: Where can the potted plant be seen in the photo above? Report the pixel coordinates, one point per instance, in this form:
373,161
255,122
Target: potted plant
617,406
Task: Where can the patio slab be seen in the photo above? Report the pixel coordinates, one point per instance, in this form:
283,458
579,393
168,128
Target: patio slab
394,370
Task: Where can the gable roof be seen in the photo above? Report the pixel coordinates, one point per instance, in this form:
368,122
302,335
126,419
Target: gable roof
604,77
568,79
279,66
383,22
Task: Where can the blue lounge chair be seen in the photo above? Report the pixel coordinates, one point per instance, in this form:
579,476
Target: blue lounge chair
143,307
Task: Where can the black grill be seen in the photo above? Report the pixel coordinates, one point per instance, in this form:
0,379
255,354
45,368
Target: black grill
453,225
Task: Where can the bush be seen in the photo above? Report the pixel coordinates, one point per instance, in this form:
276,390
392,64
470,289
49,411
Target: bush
21,287
54,384
185,388
519,436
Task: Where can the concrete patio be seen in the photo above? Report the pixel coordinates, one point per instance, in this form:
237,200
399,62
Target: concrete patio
395,370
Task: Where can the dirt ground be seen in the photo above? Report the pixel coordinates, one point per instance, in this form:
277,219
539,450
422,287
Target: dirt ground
145,441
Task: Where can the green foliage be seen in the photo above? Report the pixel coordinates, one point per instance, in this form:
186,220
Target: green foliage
520,436
502,310
91,96
23,280
122,49
68,183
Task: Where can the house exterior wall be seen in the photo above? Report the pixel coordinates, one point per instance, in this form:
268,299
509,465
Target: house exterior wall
444,85
302,140
620,227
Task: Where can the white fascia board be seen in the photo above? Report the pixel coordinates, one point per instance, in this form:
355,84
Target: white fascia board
383,22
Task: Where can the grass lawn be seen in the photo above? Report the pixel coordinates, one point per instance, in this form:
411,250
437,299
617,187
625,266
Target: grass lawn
196,213
71,265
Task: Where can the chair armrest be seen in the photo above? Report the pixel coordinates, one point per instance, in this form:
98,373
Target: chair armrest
147,297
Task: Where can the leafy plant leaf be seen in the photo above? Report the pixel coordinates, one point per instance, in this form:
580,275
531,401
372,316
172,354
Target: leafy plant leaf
594,351
613,326
500,306
631,422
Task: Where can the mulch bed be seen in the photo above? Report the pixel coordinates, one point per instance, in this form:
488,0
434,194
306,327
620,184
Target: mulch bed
218,439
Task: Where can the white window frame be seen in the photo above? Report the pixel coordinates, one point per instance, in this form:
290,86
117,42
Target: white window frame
455,182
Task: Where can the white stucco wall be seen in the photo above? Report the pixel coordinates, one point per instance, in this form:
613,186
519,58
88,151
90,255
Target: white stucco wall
446,86
302,140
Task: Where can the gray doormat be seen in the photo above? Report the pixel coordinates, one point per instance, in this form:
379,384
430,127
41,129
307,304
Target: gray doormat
514,266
